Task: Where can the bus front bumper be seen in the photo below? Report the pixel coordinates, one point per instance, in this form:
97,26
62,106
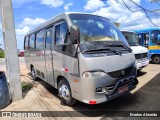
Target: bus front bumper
140,65
99,90
106,97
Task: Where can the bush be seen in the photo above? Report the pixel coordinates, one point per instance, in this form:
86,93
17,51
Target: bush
2,55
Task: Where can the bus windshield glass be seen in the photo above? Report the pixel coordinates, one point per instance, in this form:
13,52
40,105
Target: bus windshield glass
96,28
131,38
154,36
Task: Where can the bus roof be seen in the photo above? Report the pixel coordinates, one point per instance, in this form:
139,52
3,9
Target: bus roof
57,18
146,30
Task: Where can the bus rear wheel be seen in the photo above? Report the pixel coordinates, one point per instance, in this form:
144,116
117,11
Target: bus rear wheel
33,73
64,93
156,59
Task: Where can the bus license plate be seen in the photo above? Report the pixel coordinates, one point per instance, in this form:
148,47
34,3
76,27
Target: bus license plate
123,89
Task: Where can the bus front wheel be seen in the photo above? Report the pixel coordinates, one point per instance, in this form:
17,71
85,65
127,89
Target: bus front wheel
64,93
156,59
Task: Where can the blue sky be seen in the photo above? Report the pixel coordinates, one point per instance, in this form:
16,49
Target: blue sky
30,13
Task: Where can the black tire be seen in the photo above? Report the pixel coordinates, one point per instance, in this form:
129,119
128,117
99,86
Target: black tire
156,59
5,97
71,101
139,70
33,74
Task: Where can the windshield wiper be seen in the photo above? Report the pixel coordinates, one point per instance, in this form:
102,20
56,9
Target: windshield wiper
119,45
103,49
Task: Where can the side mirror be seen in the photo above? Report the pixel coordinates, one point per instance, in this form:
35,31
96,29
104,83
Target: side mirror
74,34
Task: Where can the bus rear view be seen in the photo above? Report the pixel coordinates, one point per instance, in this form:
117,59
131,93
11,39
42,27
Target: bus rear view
92,61
150,38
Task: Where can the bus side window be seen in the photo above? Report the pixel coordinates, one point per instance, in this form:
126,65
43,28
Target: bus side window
146,39
48,39
40,40
62,41
61,34
26,43
154,36
32,41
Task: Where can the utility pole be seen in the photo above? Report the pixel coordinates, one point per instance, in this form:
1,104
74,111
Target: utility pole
11,56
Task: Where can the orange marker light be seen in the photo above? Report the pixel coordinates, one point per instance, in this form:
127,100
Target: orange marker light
76,80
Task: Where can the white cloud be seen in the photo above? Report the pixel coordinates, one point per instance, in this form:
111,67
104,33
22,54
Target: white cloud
20,32
53,3
18,3
66,6
94,5
28,24
20,42
119,13
32,22
23,31
24,27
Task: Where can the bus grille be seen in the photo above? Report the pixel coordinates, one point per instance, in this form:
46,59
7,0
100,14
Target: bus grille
141,56
120,73
126,82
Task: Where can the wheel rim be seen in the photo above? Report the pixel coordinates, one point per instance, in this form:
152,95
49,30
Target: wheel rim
156,59
64,92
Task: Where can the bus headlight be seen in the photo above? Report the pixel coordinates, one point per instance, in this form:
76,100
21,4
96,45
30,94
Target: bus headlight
93,74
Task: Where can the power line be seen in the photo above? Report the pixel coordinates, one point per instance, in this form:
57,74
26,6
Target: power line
150,19
136,20
129,8
124,4
146,11
158,3
141,8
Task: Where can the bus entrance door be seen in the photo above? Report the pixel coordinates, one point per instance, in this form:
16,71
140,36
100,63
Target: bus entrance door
48,57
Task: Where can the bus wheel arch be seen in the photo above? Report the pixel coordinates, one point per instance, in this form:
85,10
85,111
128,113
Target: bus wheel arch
33,72
59,79
31,67
156,58
64,91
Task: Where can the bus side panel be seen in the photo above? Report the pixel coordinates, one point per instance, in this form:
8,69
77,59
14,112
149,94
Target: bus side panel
153,52
39,63
32,57
26,58
67,67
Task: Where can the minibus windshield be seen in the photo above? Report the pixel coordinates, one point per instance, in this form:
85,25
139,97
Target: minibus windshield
96,28
131,38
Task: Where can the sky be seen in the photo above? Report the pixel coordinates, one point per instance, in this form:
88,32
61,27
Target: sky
28,14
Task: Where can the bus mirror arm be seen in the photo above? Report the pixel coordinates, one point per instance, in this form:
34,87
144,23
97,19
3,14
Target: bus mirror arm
74,34
76,49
